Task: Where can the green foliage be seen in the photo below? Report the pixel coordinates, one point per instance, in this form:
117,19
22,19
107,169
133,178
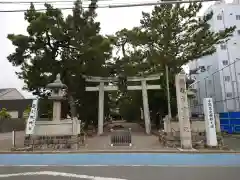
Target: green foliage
27,111
170,35
4,114
71,47
174,35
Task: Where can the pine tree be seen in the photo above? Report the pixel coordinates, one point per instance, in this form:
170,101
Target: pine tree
71,47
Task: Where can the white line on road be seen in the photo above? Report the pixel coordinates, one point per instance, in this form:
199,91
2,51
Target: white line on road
63,174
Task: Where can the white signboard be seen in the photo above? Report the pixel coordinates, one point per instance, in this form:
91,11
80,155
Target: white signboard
210,122
32,117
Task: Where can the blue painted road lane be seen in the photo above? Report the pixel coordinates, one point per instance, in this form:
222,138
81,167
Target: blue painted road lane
113,159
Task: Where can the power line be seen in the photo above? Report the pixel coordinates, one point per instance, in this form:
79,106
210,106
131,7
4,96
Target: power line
119,5
159,3
70,8
42,2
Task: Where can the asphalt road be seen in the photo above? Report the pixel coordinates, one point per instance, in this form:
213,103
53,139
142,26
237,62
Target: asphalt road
120,173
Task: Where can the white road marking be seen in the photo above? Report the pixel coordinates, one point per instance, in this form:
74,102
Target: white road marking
63,174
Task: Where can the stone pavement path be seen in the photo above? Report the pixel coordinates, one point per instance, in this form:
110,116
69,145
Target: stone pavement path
139,141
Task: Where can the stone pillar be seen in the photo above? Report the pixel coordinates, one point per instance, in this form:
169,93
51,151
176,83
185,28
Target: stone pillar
167,124
183,111
56,110
217,121
146,107
76,129
57,95
101,108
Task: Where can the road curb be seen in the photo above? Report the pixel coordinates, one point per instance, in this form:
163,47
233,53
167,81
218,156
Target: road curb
122,151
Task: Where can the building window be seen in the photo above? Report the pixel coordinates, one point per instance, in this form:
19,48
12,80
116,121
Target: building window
238,31
209,81
229,94
227,78
223,46
225,62
237,17
219,17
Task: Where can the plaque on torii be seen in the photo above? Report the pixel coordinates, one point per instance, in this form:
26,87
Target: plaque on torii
144,87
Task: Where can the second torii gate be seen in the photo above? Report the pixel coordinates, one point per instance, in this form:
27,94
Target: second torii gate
144,87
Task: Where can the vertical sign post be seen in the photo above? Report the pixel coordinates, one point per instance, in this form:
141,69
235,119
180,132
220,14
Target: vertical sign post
210,122
32,117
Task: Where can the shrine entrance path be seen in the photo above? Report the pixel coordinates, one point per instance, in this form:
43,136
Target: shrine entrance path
140,141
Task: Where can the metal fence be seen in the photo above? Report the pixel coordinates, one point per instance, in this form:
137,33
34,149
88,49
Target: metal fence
222,85
230,122
121,138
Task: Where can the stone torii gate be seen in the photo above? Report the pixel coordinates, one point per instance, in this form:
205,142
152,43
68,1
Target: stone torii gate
102,87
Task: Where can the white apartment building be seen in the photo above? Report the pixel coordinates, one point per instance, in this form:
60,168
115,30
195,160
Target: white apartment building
219,74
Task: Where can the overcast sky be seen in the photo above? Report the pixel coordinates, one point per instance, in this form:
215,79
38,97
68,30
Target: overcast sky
111,21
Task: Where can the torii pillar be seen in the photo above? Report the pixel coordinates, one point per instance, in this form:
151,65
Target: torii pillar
102,88
183,111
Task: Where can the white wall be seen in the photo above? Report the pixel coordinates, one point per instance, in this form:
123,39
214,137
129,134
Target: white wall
213,84
13,114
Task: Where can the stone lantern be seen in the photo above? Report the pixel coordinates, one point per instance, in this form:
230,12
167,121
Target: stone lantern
57,95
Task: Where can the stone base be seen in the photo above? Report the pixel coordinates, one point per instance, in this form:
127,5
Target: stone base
63,127
54,142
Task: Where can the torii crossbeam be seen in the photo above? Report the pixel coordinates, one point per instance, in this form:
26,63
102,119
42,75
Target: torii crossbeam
144,87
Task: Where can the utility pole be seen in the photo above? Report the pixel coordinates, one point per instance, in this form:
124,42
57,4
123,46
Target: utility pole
168,93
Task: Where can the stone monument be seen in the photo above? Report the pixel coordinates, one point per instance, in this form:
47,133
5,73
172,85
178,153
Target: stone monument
58,133
183,111
57,126
57,96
